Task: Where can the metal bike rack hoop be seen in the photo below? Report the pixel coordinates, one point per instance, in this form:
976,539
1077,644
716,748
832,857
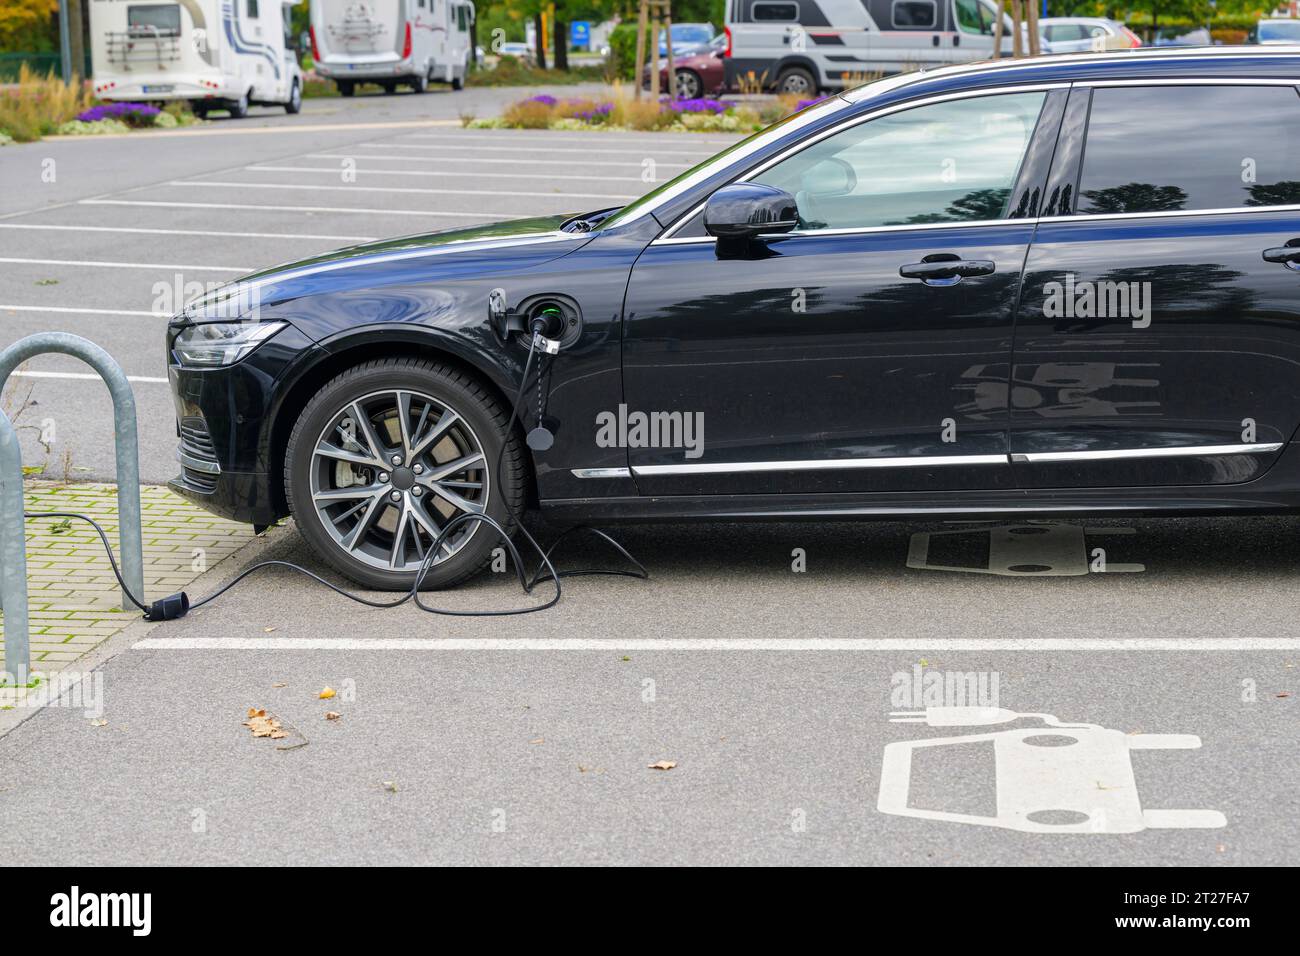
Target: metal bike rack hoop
125,441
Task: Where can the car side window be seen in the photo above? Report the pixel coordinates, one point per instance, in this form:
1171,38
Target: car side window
767,11
915,14
1150,149
973,16
945,162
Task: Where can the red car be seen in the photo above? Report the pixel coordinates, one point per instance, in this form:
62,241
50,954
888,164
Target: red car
699,75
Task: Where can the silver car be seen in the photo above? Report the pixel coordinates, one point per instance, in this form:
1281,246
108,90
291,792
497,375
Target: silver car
1085,34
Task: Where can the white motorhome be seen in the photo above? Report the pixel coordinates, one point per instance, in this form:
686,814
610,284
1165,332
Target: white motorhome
215,54
804,46
392,42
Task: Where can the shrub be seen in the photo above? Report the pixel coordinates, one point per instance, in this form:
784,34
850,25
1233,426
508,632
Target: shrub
528,114
38,105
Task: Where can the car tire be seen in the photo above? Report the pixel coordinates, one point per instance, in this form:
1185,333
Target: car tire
389,86
481,428
690,86
796,81
294,105
458,82
239,108
346,88
420,83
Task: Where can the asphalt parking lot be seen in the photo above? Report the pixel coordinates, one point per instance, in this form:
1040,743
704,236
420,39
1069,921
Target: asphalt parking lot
763,661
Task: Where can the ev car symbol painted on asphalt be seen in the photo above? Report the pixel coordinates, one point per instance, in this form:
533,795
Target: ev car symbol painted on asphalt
1059,778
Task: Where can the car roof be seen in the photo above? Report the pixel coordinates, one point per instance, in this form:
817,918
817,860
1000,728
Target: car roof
1220,62
1043,20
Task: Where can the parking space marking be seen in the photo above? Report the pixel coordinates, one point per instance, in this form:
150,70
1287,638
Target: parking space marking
190,232
478,174
515,149
72,311
95,263
567,163
531,138
717,644
224,130
87,377
205,184
426,213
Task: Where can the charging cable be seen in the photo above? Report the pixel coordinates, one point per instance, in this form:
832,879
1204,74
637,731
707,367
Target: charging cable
178,605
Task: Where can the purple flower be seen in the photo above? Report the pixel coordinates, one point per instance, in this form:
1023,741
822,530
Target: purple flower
133,114
693,106
596,114
543,99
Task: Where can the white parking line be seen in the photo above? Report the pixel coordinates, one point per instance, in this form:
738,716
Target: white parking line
479,160
122,265
72,311
190,183
644,153
191,232
716,644
426,213
479,174
706,147
87,377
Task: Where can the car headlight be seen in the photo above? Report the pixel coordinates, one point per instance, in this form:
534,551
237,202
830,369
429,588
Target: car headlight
212,344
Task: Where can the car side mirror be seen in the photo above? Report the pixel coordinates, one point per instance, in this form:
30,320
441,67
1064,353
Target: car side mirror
743,211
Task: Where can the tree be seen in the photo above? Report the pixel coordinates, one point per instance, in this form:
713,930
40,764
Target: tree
29,26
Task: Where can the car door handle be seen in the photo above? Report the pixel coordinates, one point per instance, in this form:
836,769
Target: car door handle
1286,254
934,267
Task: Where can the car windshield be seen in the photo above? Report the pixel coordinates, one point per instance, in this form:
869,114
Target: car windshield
689,33
699,173
1280,31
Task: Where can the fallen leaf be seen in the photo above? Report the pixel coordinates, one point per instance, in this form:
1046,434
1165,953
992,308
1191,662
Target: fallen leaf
255,712
280,684
332,715
99,722
663,765
267,630
539,740
1285,694
327,693
390,786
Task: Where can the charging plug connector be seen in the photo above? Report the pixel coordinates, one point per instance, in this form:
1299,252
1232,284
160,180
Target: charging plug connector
169,608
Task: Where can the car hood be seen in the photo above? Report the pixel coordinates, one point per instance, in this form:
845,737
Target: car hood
516,243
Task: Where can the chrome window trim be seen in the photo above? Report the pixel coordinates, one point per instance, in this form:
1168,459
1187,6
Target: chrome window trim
668,236
1226,211
1143,55
859,230
849,123
1121,454
1188,81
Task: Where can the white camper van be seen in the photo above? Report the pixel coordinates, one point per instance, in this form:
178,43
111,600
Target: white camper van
216,54
392,42
803,46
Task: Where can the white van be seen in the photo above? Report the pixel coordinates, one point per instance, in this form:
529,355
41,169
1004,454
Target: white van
804,46
215,54
392,42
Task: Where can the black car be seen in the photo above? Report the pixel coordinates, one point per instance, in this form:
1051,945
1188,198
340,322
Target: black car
1058,286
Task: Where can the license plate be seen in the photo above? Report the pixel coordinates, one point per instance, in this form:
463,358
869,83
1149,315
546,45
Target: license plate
157,89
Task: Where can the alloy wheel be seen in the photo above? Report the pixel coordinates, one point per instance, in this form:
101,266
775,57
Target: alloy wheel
390,471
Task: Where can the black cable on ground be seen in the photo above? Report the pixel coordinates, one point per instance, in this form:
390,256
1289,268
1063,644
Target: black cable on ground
178,605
